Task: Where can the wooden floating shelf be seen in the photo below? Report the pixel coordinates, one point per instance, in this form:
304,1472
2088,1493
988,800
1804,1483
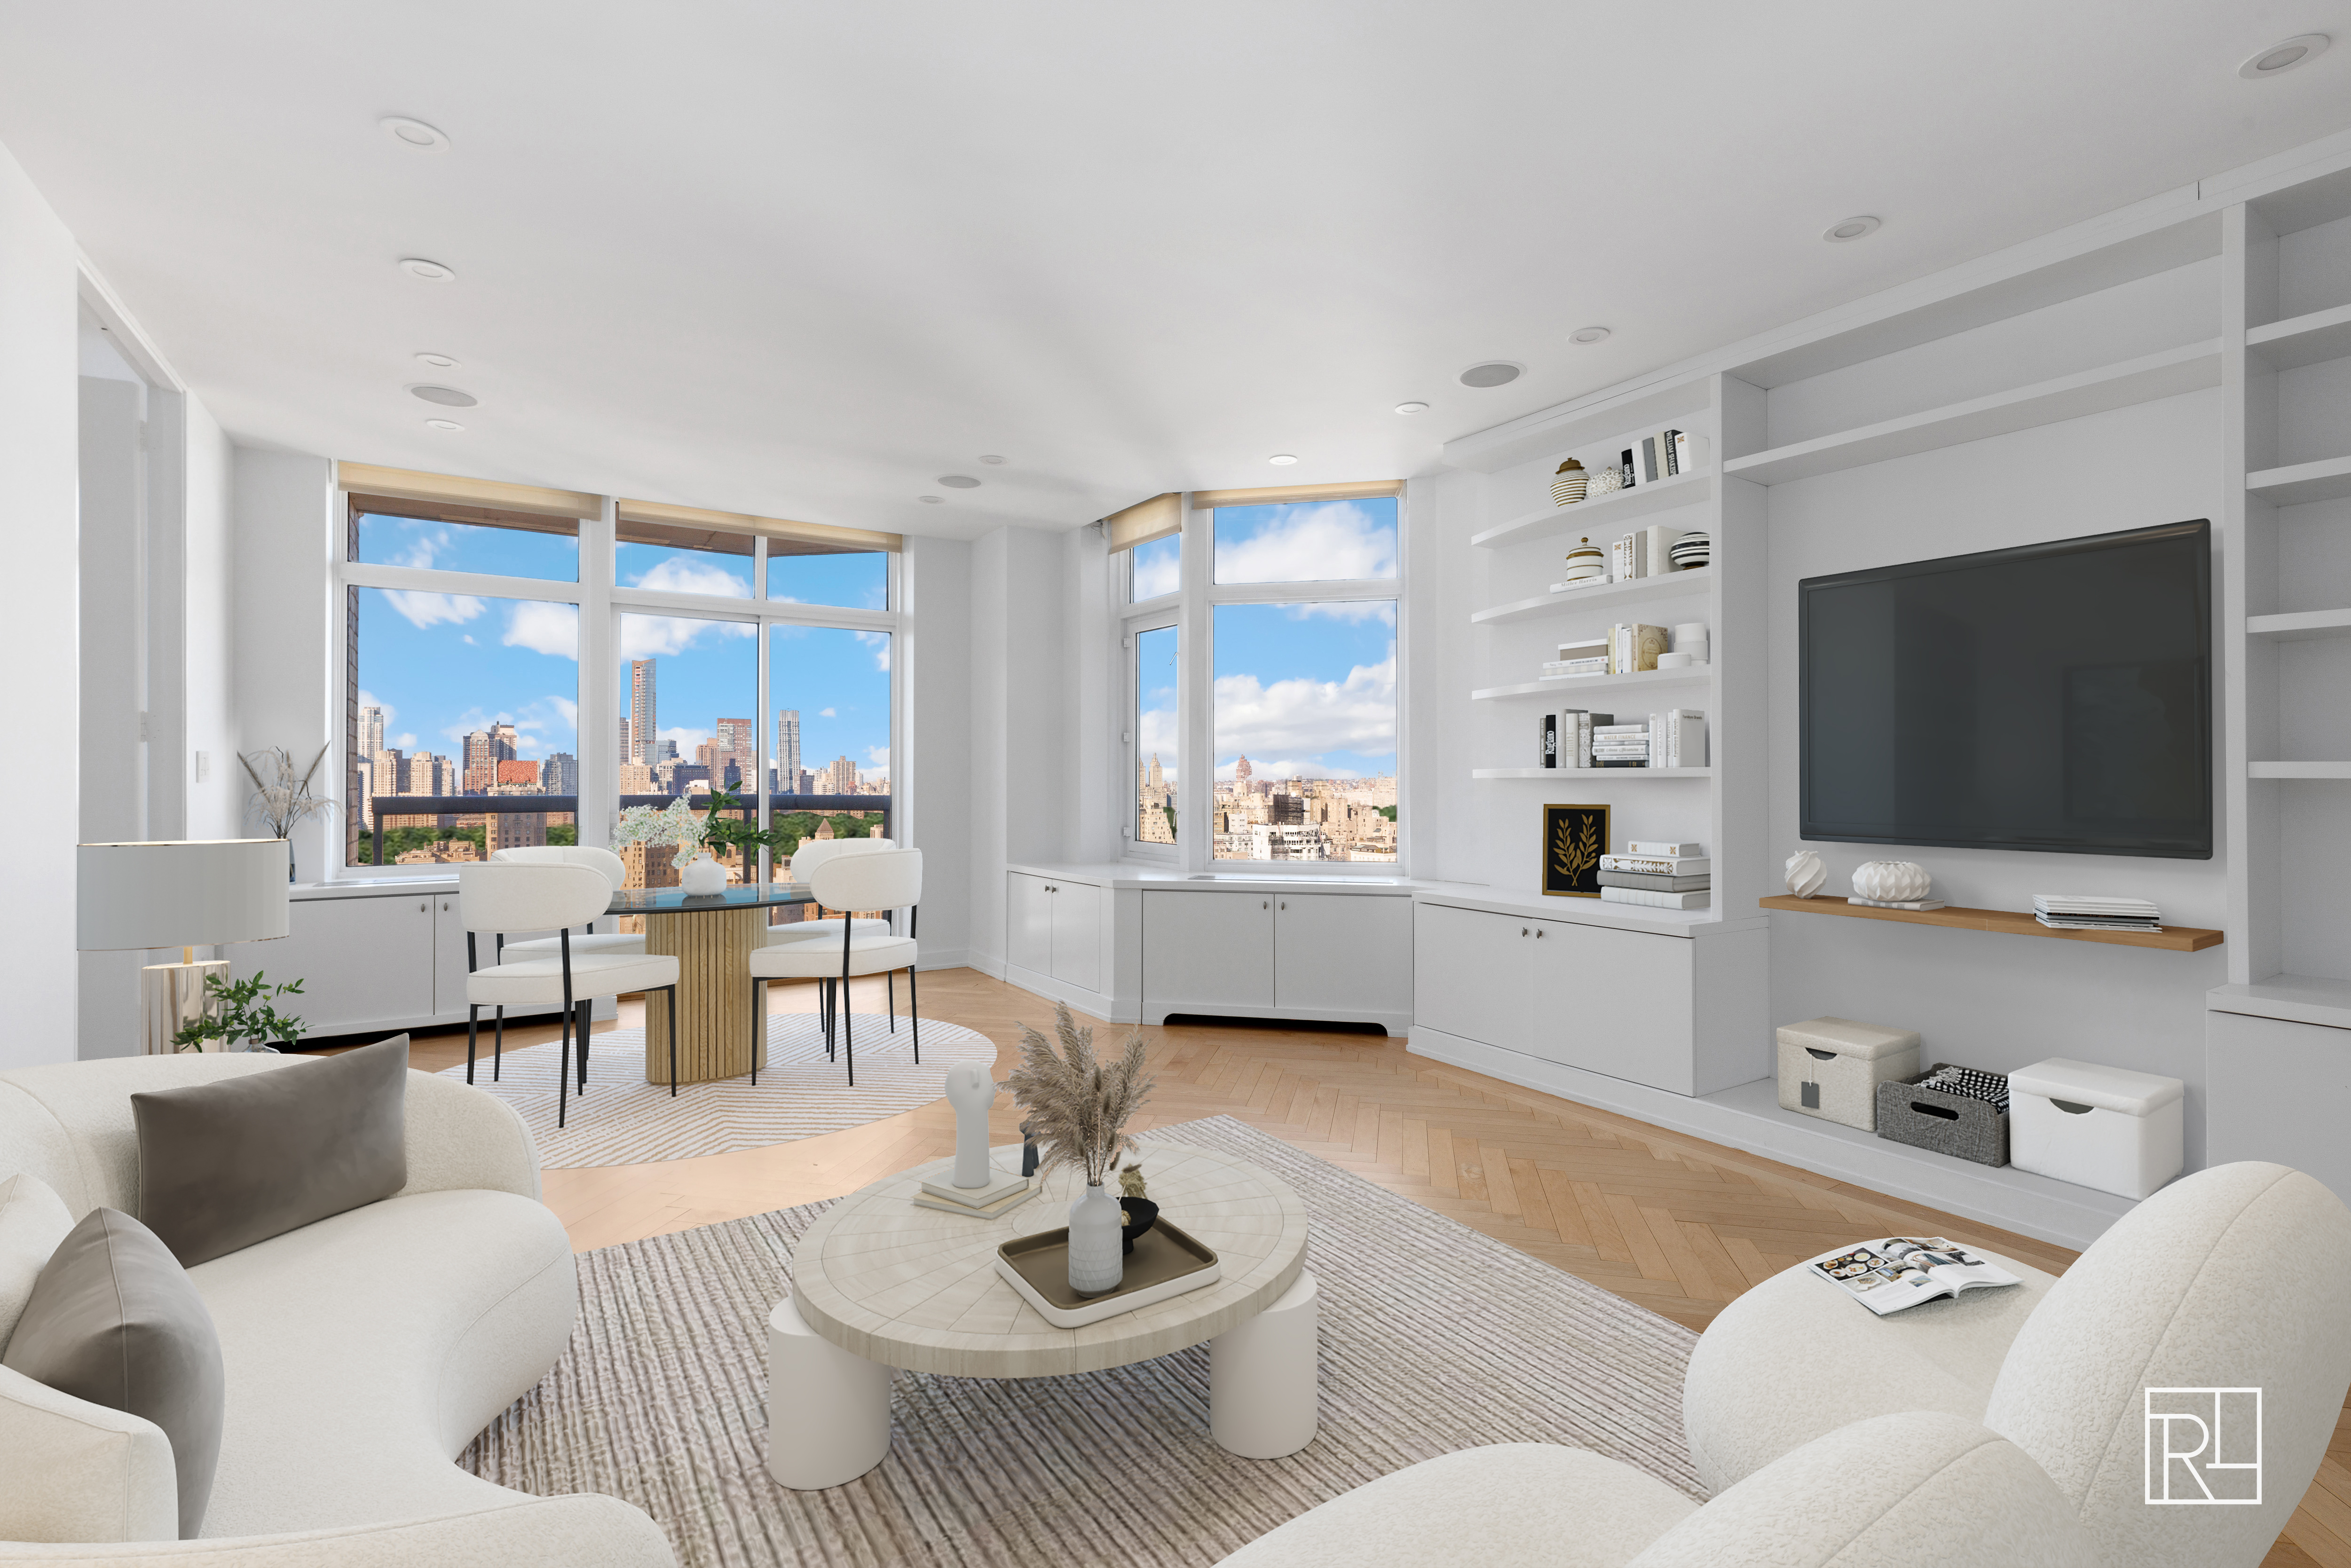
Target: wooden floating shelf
2004,922
2166,374
2298,770
1591,773
2293,486
1617,508
2304,341
1665,585
1567,685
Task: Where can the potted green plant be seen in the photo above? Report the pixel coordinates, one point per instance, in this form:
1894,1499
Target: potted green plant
240,1015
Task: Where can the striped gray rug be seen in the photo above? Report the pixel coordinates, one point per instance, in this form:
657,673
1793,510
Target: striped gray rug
1435,1338
624,1121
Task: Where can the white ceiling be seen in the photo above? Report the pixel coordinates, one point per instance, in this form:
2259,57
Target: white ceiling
802,259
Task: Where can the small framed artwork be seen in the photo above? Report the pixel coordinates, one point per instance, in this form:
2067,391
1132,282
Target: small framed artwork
1574,838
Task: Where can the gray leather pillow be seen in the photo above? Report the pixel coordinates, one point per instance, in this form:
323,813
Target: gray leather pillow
114,1320
223,1165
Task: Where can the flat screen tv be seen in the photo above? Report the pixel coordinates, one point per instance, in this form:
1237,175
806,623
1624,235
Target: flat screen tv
2054,696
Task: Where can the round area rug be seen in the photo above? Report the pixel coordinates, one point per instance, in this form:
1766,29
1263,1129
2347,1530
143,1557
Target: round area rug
624,1121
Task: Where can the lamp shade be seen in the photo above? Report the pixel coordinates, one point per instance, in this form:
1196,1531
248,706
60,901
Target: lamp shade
179,893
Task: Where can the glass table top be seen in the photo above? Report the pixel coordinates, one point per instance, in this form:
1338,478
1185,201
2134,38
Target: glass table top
677,901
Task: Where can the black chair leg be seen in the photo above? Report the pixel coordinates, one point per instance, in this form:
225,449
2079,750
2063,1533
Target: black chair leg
673,1042
892,978
563,1067
498,1046
472,1032
914,1011
758,1028
849,1035
587,1014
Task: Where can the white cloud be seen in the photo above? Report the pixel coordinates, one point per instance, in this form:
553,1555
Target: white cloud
1155,575
469,641
1312,544
404,741
426,610
827,712
1157,733
879,640
679,574
659,636
368,699
688,739
568,710
877,759
1307,717
1348,610
543,628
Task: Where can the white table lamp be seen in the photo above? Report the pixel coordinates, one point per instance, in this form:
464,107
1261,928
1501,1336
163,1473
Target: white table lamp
184,894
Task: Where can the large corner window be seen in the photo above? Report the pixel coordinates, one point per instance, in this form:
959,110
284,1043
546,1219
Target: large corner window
1284,624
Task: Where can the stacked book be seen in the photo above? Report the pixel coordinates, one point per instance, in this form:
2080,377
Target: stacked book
1620,745
1677,738
1679,879
1574,748
2084,912
1004,1192
1586,658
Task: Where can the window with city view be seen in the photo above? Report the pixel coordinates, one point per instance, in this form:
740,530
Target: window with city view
1155,735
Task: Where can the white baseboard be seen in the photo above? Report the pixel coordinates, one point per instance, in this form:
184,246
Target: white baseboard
1092,1004
1749,1117
987,964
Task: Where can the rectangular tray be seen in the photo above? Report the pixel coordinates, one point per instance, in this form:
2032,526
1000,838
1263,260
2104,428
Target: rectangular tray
1167,1261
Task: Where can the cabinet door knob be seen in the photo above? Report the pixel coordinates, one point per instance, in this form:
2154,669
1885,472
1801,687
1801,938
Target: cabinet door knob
424,908
1522,930
1265,903
1538,933
1285,904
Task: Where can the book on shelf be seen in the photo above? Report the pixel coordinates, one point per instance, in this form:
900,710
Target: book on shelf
1569,669
1677,738
1682,455
1655,883
1550,740
2090,912
1658,865
1652,899
1581,648
1575,735
1633,647
1629,467
1667,848
1899,1271
1660,455
1628,558
1658,543
1620,762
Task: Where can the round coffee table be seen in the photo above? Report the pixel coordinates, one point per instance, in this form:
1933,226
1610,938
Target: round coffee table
878,1283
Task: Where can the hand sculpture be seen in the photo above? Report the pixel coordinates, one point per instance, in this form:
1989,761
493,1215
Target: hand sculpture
971,1091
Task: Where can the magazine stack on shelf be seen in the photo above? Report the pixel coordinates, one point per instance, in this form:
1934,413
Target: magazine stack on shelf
2086,911
1658,875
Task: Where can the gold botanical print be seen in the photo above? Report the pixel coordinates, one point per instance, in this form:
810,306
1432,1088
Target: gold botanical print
1574,838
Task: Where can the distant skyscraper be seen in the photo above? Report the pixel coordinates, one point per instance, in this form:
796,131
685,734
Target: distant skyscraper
504,742
628,752
738,740
665,751
841,779
370,731
788,750
480,763
560,774
644,723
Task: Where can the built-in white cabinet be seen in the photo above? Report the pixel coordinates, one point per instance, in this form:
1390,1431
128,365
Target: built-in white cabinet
1207,950
1341,957
1673,1011
1053,928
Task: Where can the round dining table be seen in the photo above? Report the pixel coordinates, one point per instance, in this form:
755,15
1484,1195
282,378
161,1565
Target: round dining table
713,936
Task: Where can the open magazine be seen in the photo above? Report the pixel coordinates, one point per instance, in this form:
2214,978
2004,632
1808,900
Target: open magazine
1904,1271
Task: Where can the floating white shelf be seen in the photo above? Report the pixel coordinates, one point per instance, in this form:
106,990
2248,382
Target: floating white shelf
2329,480
1549,432
1591,773
2167,374
2298,770
2304,341
1615,510
2297,998
2301,625
1632,592
1695,676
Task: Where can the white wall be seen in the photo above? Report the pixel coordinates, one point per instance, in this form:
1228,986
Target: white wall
934,777
217,803
38,420
1980,1000
1020,698
286,623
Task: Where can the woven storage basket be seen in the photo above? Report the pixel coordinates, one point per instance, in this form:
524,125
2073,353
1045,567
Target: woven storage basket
1959,1126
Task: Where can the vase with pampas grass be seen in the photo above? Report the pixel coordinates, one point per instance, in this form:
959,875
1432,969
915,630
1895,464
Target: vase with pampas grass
1077,1108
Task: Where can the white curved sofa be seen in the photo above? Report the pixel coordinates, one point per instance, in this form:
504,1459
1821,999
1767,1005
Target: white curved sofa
363,1353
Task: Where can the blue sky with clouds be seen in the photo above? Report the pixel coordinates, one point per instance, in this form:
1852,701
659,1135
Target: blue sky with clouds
445,664
1302,689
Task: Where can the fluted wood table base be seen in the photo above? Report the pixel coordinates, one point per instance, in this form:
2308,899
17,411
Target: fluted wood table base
713,995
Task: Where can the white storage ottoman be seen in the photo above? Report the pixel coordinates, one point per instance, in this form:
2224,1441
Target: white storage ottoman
2105,1127
1831,1067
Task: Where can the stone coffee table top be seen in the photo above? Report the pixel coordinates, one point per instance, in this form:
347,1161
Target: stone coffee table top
917,1288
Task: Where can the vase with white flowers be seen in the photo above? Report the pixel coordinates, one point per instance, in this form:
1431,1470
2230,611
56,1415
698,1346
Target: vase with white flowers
283,797
699,872
1077,1108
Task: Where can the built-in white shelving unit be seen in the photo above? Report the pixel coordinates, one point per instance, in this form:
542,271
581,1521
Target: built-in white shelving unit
2301,627
1614,512
1598,774
1567,688
2327,479
2304,341
2298,770
1616,595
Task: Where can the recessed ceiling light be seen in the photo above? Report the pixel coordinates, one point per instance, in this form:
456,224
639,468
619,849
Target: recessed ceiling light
1588,335
443,425
447,397
1283,459
959,481
1494,374
431,271
990,458
932,500
1412,408
438,361
2284,57
1851,228
413,133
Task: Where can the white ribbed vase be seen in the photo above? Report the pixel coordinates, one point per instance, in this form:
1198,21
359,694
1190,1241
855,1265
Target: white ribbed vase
1892,881
1097,1237
1805,873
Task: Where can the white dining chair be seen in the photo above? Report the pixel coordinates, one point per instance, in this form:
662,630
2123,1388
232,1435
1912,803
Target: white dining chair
511,897
810,854
883,879
589,940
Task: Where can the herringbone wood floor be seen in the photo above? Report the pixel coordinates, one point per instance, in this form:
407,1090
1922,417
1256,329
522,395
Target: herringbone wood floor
1676,1224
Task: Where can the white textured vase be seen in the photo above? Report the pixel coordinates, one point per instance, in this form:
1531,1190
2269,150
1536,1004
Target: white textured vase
1097,1237
702,876
1806,874
1892,881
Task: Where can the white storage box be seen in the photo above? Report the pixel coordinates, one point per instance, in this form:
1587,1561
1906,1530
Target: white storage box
2105,1127
1831,1067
